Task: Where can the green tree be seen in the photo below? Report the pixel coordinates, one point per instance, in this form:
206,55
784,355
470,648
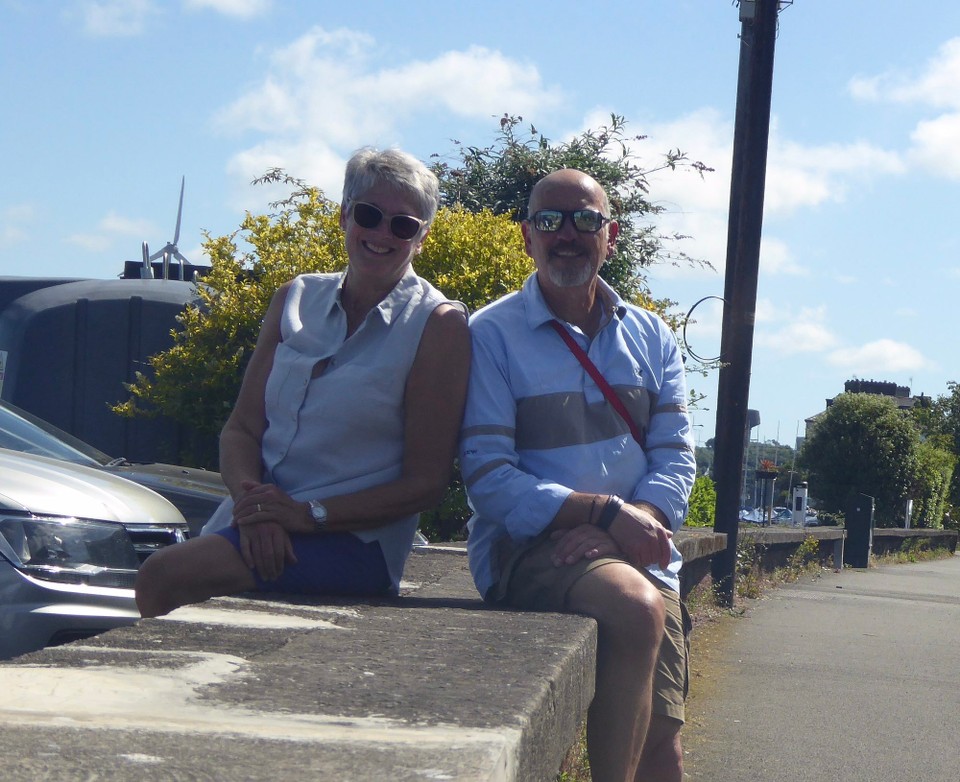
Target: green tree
703,503
930,486
939,422
862,444
500,177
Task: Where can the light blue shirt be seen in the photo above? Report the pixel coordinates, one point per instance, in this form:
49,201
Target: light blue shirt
343,431
537,427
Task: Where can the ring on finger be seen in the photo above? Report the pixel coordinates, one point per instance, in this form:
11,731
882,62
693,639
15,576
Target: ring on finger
259,509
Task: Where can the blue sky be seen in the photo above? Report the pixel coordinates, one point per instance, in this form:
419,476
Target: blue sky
108,103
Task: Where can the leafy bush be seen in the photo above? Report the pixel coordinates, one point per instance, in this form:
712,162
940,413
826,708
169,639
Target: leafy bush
826,519
703,502
448,521
805,554
474,257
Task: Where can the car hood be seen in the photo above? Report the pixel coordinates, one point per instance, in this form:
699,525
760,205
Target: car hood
159,476
50,486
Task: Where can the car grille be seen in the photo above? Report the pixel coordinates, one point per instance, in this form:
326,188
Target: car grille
148,538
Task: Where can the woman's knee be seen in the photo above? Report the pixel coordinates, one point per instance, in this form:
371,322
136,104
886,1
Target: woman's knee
189,573
151,588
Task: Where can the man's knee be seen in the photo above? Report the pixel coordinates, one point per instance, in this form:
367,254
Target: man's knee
622,600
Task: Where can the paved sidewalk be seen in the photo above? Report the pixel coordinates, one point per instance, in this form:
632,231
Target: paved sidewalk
854,676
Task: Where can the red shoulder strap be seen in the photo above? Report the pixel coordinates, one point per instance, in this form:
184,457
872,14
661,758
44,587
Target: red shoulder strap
600,380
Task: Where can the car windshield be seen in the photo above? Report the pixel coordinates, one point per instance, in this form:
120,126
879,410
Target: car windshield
20,431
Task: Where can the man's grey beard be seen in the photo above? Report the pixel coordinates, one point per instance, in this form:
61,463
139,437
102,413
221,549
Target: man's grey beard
569,278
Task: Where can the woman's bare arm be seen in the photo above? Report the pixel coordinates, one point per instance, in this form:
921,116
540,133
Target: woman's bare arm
434,398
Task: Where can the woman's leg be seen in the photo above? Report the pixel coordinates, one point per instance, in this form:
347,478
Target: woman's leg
190,572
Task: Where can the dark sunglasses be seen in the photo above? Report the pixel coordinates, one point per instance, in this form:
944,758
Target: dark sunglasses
404,227
586,221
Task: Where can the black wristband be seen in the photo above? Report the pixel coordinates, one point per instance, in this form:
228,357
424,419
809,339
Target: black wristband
609,512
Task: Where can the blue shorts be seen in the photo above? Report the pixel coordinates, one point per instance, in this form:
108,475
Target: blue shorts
335,563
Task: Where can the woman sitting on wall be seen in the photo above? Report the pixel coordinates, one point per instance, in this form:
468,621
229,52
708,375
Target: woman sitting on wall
346,423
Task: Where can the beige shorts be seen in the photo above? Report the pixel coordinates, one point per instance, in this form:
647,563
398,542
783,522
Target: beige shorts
532,582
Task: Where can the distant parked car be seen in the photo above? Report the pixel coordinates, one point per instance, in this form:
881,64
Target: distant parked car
196,493
71,541
753,515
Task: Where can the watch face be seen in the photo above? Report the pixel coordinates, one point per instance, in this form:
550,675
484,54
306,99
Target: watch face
318,511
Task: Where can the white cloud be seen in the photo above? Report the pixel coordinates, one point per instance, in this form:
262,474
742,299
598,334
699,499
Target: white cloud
323,84
882,355
937,85
90,242
241,9
807,332
776,258
116,224
11,235
111,227
116,18
704,136
936,145
313,161
935,141
798,177
495,81
19,212
14,223
323,96
801,176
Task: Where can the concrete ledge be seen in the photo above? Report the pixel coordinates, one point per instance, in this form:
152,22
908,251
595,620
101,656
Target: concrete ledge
776,544
886,540
431,686
434,685
697,545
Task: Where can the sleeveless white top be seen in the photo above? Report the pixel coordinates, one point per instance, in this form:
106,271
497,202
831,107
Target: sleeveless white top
343,431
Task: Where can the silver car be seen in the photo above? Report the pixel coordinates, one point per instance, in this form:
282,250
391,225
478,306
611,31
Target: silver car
196,493
71,541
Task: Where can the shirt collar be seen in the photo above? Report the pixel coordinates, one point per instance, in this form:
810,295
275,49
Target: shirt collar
539,312
393,303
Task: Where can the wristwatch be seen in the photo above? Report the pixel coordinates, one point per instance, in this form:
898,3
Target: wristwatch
318,512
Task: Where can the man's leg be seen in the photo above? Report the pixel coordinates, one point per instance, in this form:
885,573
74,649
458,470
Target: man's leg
630,612
662,757
190,572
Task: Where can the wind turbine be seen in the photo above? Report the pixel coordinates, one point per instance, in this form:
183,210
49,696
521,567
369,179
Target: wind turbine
169,250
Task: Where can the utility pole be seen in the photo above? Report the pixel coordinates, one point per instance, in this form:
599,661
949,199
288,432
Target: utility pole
758,30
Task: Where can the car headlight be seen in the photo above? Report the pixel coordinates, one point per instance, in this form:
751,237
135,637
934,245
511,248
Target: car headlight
69,550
